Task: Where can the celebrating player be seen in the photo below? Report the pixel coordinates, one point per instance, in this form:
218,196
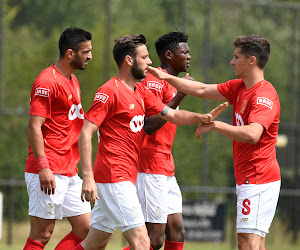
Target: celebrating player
118,111
158,191
256,111
55,121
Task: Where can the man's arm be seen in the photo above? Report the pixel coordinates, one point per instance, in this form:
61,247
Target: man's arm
154,123
248,134
89,188
36,141
183,117
194,88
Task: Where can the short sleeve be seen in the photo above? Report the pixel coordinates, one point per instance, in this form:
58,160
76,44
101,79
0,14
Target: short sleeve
153,105
264,107
102,105
42,95
227,89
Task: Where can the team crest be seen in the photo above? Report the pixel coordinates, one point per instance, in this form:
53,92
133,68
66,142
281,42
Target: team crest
243,107
131,106
70,97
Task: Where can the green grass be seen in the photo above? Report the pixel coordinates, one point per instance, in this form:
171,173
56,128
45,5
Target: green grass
276,240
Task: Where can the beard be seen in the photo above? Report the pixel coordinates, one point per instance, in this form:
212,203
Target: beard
77,63
137,72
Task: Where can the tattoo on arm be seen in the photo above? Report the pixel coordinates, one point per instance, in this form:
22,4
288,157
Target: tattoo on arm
165,111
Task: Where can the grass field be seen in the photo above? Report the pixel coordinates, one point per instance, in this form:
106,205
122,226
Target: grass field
276,240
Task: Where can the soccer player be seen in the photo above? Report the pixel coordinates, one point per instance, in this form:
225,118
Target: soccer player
118,111
55,121
158,190
256,111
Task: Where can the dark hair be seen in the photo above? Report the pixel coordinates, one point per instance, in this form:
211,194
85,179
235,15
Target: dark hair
71,38
169,41
126,45
254,45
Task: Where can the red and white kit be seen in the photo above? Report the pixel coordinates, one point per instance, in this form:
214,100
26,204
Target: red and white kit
119,113
159,144
57,98
157,187
256,168
254,163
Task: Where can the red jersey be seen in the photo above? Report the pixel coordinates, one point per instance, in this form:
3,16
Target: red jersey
119,113
254,163
159,144
57,98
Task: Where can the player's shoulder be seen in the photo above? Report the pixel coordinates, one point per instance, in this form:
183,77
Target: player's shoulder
267,88
153,83
112,84
47,77
110,88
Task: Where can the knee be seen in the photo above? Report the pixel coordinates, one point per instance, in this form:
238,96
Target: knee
44,237
84,232
143,242
176,234
181,234
156,241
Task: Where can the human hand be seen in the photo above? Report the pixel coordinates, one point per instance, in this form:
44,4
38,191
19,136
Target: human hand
204,128
188,77
218,110
47,181
157,73
89,190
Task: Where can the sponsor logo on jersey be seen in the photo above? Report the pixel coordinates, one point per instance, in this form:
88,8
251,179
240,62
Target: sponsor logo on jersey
42,92
76,111
70,97
137,123
131,106
155,85
101,97
265,101
238,119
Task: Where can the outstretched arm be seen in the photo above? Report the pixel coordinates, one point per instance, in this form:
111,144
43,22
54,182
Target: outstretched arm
183,117
154,123
89,188
194,88
249,133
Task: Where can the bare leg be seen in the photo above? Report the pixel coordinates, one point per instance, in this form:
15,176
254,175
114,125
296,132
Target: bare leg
175,229
248,241
138,238
96,239
156,232
41,229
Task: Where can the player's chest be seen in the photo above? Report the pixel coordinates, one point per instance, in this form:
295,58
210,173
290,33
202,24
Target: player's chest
243,102
130,105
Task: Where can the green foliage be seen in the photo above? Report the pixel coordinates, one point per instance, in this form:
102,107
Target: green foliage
44,16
